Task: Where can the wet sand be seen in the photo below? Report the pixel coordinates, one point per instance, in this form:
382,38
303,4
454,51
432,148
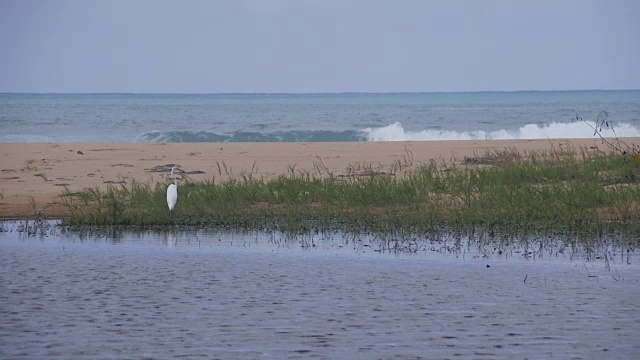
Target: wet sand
37,173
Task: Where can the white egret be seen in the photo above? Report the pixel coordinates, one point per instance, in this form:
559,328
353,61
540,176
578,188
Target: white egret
172,191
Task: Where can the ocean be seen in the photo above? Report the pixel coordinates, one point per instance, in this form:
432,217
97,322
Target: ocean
345,117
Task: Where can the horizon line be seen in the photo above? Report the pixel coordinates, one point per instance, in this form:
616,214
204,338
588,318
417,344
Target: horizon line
305,93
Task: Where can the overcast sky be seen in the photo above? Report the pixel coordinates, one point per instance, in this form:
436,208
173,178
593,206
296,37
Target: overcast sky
318,45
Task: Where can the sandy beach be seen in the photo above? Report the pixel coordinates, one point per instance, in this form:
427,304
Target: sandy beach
36,173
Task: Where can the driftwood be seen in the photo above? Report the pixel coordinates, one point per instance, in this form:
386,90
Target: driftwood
167,168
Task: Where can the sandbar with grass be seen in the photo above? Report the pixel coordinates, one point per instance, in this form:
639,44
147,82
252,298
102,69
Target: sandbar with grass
38,172
535,184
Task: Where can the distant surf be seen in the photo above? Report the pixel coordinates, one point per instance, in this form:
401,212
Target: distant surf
352,117
250,136
572,130
396,132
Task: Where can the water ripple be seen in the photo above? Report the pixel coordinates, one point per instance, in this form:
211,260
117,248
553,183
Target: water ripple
95,300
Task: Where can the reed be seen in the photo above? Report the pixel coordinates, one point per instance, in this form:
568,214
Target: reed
557,191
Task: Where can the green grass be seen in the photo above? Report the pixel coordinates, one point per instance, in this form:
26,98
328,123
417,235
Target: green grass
564,192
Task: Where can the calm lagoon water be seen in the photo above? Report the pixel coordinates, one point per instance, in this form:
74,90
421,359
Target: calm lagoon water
202,294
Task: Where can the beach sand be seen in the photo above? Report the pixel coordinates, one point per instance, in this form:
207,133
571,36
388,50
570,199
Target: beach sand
35,174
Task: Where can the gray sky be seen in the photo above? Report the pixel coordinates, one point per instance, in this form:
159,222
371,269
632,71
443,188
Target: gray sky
318,45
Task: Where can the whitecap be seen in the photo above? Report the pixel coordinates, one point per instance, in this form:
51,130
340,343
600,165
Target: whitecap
554,130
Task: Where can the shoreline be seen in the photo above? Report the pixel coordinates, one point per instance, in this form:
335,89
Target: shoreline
32,175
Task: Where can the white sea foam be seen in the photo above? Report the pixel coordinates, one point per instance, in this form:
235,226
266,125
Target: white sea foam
572,130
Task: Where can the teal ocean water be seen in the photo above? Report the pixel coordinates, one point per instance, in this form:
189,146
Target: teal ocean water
313,117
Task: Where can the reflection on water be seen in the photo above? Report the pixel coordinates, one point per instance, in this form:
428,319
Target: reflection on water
171,238
199,293
609,251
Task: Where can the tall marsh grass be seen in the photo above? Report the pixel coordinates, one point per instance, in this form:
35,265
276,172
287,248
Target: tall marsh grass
560,191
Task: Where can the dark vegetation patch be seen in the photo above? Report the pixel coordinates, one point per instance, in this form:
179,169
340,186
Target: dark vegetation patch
579,192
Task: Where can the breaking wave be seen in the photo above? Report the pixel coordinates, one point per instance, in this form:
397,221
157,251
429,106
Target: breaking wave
250,136
395,132
573,130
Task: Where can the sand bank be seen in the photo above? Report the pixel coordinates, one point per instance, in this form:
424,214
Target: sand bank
37,173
